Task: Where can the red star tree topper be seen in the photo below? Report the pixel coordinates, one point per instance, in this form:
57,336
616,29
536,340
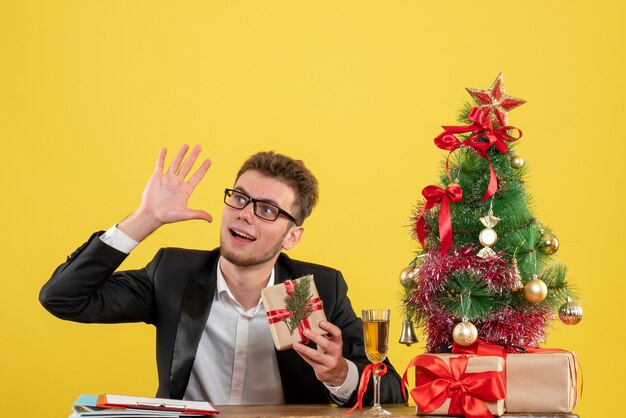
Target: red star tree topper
495,101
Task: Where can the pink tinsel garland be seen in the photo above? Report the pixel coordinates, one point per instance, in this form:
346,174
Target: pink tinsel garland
510,326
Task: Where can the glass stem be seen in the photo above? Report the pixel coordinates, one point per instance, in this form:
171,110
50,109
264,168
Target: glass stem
376,390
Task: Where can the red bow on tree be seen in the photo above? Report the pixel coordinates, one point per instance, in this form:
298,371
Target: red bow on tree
482,127
433,195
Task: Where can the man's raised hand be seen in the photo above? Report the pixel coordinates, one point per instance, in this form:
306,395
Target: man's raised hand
165,197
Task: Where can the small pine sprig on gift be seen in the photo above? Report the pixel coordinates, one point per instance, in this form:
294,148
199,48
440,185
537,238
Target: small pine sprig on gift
297,303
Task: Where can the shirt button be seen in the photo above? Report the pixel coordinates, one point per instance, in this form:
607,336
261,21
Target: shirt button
240,353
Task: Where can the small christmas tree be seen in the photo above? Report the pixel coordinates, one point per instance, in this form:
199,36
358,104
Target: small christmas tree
486,266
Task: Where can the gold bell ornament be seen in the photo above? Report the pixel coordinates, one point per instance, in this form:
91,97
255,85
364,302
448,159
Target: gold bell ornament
408,335
570,313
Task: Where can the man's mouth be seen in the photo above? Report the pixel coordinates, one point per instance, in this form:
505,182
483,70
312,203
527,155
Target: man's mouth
238,234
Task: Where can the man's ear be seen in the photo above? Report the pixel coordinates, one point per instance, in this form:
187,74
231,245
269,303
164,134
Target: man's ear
293,237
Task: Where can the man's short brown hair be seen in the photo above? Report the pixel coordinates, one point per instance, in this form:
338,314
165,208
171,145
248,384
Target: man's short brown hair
292,172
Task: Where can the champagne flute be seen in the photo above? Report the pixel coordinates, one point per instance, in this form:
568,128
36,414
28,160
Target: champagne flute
376,336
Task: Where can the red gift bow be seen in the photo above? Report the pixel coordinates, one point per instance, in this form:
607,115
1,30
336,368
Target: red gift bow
433,195
481,127
278,315
484,348
378,369
468,392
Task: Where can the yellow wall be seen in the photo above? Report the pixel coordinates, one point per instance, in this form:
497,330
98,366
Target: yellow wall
90,90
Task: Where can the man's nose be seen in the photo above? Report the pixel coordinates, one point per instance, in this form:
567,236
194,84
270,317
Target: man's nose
247,213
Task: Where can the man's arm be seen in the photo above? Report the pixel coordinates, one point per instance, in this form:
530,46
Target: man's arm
86,287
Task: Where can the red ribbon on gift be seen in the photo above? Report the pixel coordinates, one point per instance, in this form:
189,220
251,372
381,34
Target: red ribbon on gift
468,392
278,315
433,195
377,369
481,127
482,348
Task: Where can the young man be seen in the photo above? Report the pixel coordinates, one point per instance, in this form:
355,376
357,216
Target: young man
213,339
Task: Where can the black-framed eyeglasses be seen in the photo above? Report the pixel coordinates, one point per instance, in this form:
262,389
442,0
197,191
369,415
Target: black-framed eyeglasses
262,209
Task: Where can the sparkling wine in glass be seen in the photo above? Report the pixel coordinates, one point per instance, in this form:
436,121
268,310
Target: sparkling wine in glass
376,336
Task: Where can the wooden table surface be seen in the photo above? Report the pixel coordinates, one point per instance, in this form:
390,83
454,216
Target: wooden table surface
333,411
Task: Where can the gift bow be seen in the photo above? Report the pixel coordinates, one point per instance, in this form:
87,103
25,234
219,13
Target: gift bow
277,315
377,369
481,127
433,195
467,392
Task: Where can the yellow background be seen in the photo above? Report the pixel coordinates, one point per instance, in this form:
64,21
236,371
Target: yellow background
90,90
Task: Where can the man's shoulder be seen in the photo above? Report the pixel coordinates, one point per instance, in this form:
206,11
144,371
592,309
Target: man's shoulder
187,256
189,252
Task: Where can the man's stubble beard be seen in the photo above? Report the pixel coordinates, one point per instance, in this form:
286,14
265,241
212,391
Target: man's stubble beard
251,260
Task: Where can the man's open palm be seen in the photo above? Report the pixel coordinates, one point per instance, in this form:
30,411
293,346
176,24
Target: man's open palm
167,193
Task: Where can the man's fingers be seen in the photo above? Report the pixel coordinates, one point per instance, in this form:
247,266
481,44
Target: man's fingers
175,164
333,330
310,355
324,344
199,174
160,161
189,161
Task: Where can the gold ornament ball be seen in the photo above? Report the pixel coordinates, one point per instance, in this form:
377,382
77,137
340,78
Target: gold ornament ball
570,313
404,273
465,333
487,237
408,275
517,161
535,290
549,243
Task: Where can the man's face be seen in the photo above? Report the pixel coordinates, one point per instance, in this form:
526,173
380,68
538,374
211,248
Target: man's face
246,239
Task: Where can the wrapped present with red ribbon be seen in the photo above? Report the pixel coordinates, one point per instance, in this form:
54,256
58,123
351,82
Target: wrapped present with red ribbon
291,307
452,384
542,380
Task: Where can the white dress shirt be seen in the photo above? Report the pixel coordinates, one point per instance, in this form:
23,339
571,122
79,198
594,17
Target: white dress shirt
236,361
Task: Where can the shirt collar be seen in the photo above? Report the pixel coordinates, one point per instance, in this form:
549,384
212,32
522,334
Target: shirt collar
223,289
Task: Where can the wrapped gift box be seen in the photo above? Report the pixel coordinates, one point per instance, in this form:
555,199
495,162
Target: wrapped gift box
475,364
540,382
277,299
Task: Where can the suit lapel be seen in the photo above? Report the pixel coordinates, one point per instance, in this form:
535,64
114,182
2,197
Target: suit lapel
195,309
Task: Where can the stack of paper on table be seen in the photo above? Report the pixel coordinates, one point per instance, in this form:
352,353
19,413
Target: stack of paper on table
113,406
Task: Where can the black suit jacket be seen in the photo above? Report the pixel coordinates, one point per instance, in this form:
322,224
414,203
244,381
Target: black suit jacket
174,292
